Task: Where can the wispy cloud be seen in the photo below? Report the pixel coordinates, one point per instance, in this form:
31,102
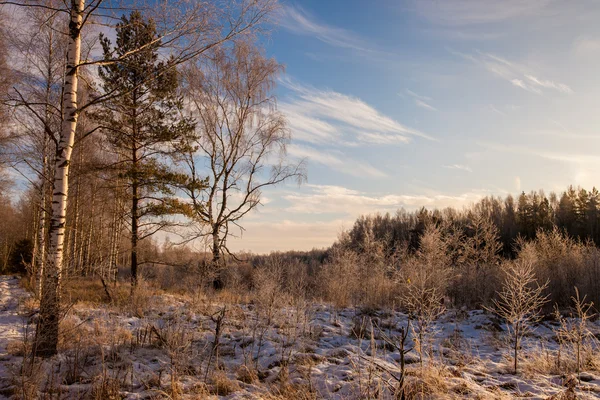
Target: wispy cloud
418,96
422,104
496,110
421,101
299,21
326,116
572,158
338,162
518,75
561,87
322,199
459,167
586,45
470,12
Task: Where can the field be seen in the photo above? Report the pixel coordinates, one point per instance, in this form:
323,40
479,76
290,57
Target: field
196,346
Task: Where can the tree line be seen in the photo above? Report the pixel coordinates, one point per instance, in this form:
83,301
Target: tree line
120,120
576,212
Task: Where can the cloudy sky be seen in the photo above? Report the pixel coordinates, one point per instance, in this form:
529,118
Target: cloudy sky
428,103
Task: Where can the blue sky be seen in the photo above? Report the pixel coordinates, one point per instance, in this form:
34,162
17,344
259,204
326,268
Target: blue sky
428,103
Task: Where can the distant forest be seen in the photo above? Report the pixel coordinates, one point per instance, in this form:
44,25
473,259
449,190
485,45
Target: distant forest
575,212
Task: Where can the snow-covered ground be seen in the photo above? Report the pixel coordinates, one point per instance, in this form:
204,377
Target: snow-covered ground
167,349
11,323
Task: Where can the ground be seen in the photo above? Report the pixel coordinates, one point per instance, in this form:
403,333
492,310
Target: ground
165,346
11,323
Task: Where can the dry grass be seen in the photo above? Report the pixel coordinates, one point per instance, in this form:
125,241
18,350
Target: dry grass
106,388
427,382
90,290
247,375
222,385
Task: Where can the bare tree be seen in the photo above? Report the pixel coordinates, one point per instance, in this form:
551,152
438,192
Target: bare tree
423,281
240,142
186,30
6,75
519,302
575,329
36,100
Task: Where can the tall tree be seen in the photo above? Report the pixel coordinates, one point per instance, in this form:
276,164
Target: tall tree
188,29
240,135
141,124
5,82
36,98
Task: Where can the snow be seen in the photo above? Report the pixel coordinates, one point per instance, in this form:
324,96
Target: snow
315,347
11,323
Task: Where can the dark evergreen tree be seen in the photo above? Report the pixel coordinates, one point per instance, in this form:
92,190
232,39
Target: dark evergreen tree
142,124
20,257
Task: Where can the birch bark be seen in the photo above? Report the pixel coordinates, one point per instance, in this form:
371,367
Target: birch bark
47,335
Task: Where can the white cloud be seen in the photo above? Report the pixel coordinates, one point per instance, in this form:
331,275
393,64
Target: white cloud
518,75
335,199
340,163
496,110
459,167
418,96
571,158
422,104
421,101
326,116
561,87
297,20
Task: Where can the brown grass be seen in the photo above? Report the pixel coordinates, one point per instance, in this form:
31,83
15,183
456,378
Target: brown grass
222,385
247,375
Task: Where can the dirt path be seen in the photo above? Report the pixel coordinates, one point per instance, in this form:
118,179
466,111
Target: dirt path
11,323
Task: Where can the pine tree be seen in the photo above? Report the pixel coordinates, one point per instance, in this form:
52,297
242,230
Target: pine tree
525,216
142,124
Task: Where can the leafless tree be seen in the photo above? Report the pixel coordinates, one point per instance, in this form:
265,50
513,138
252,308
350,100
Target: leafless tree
6,75
423,281
187,29
40,51
519,302
240,145
575,330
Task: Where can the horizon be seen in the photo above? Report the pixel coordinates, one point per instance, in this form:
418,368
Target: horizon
427,104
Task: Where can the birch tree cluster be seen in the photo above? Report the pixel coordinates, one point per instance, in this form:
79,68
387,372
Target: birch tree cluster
121,120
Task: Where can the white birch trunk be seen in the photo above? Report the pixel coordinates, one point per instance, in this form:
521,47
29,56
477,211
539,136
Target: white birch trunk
47,336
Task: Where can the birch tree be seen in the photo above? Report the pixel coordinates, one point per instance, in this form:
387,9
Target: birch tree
6,75
36,100
187,29
241,140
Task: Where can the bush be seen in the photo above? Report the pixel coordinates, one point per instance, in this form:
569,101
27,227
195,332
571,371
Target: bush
20,257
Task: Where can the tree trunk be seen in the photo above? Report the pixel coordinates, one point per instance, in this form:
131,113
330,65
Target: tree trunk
134,220
216,252
47,133
47,336
41,237
516,349
215,266
134,237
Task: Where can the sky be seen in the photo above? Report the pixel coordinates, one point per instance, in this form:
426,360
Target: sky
403,104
